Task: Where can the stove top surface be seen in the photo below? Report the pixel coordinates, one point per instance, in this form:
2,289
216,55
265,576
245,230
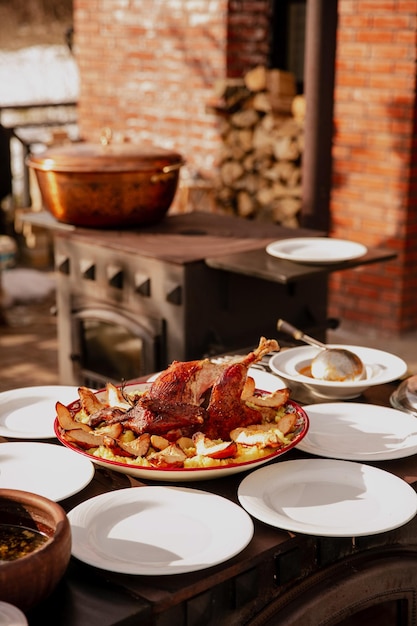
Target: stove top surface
188,237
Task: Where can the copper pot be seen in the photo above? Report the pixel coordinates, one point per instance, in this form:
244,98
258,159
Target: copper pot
107,185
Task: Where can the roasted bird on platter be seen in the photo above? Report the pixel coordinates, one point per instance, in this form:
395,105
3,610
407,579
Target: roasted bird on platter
195,414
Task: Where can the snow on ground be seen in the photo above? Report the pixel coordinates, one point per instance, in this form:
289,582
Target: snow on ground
38,75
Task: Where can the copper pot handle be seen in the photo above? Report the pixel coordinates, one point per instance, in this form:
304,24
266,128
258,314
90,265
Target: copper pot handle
155,178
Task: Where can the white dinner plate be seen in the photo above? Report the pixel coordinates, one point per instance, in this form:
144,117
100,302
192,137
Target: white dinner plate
158,530
328,498
359,432
29,412
316,250
47,469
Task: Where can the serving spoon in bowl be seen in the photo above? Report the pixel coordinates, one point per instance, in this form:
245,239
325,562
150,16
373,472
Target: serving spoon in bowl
332,364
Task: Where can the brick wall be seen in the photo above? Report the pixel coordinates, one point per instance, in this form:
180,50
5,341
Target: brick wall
248,35
148,69
373,197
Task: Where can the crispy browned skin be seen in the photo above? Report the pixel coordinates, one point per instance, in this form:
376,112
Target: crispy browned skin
185,382
107,414
159,417
174,401
188,381
226,410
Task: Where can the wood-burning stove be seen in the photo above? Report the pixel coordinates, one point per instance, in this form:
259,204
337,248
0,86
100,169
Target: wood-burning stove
132,301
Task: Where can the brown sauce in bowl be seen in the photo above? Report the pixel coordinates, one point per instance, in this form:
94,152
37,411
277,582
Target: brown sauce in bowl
19,541
306,371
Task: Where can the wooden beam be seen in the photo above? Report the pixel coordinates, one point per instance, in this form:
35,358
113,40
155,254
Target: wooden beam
319,72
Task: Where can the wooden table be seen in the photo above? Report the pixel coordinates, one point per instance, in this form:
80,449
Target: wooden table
278,574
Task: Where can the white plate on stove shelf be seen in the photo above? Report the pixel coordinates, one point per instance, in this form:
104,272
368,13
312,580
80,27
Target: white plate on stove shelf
359,432
328,498
158,530
316,250
47,469
29,412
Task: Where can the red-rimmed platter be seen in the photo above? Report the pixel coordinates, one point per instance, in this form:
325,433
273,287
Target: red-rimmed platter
163,474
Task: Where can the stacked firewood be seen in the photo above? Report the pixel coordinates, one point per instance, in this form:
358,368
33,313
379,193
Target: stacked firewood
260,163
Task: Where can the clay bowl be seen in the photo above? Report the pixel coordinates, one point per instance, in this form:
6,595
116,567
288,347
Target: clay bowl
29,579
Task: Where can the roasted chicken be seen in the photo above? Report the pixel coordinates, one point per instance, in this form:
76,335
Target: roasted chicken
176,399
194,404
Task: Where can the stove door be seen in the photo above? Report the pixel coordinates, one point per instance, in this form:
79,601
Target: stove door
112,347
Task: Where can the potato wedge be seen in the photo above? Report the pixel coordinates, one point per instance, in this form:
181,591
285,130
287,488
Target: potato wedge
287,423
260,435
90,403
66,420
138,447
84,439
171,456
214,449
